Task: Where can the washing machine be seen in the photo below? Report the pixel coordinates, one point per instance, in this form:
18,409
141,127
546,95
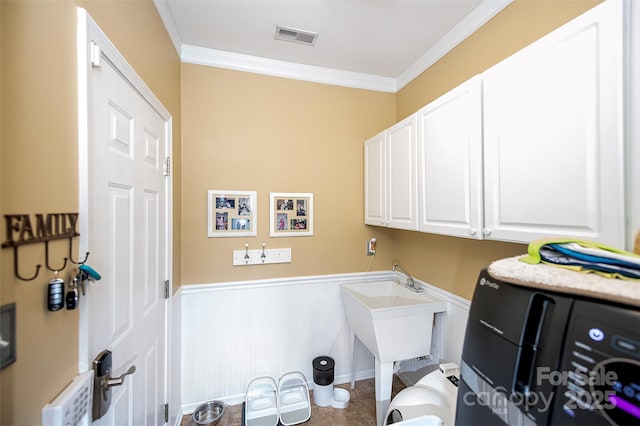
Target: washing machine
430,402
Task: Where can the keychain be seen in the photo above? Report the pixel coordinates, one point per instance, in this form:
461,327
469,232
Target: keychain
72,294
55,292
87,273
91,273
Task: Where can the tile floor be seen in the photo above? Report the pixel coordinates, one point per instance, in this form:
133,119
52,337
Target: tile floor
360,412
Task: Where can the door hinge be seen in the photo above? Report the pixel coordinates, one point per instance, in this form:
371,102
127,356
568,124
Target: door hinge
166,413
167,289
167,166
94,53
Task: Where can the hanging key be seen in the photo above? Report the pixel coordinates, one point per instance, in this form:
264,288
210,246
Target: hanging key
87,273
82,278
72,294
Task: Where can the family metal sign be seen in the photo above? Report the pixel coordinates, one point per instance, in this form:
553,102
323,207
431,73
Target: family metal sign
25,229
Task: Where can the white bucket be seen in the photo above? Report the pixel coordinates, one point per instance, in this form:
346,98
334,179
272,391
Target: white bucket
322,395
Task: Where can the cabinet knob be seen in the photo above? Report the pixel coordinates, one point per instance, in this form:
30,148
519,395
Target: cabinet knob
472,231
486,231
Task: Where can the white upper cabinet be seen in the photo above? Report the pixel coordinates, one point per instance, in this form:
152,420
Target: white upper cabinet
391,177
532,148
450,162
402,175
374,180
553,135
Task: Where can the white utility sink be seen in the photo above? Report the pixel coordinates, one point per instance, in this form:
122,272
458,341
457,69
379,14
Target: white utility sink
394,323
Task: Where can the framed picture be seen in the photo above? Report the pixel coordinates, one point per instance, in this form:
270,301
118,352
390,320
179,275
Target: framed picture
232,213
291,214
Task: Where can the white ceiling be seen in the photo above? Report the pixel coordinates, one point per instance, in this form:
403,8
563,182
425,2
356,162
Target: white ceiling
372,44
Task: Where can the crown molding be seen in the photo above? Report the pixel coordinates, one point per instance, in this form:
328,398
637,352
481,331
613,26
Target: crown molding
169,24
240,62
470,24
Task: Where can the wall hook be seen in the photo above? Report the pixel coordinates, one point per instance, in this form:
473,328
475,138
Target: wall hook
263,256
25,229
246,253
46,258
86,256
15,267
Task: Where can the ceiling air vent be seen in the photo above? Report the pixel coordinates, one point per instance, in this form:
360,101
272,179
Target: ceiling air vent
296,36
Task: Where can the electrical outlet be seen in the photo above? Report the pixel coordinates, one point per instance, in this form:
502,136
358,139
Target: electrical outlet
371,247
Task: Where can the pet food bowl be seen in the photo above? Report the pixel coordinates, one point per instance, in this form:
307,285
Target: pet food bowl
208,413
340,398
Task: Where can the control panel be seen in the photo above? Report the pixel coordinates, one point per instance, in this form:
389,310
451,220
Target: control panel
73,405
600,374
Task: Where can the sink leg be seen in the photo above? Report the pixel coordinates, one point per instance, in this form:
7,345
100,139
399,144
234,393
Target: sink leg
384,381
353,360
381,411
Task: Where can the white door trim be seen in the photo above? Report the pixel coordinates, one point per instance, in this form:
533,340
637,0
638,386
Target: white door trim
90,35
632,127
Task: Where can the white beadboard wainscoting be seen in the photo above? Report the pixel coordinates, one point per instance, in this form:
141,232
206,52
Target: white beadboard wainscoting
233,332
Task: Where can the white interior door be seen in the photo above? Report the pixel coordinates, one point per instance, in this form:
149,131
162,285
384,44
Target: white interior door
127,235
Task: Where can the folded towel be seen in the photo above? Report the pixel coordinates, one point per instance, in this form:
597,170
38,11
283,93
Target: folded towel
585,256
552,254
549,277
595,254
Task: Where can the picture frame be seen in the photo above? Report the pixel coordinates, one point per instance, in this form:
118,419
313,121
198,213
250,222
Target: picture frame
232,213
291,214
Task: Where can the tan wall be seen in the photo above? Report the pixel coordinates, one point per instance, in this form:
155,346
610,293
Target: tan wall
241,131
252,132
39,168
448,262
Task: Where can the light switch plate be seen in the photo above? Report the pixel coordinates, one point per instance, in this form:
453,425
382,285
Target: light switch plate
7,335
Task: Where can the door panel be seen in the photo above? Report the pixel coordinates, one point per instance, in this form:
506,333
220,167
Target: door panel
402,181
374,178
553,139
450,162
128,242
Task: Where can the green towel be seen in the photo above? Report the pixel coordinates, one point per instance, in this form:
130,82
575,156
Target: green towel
535,256
534,248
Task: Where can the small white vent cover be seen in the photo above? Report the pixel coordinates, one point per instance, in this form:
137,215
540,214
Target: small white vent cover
295,35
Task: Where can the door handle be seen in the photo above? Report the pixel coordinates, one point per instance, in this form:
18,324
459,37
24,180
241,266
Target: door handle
103,382
107,382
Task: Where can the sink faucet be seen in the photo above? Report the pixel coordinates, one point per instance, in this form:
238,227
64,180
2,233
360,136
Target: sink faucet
411,284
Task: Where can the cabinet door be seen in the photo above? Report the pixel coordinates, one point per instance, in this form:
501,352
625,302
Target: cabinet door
450,162
374,180
402,178
553,139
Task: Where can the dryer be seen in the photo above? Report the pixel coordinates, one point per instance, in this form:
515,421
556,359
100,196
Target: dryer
538,357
